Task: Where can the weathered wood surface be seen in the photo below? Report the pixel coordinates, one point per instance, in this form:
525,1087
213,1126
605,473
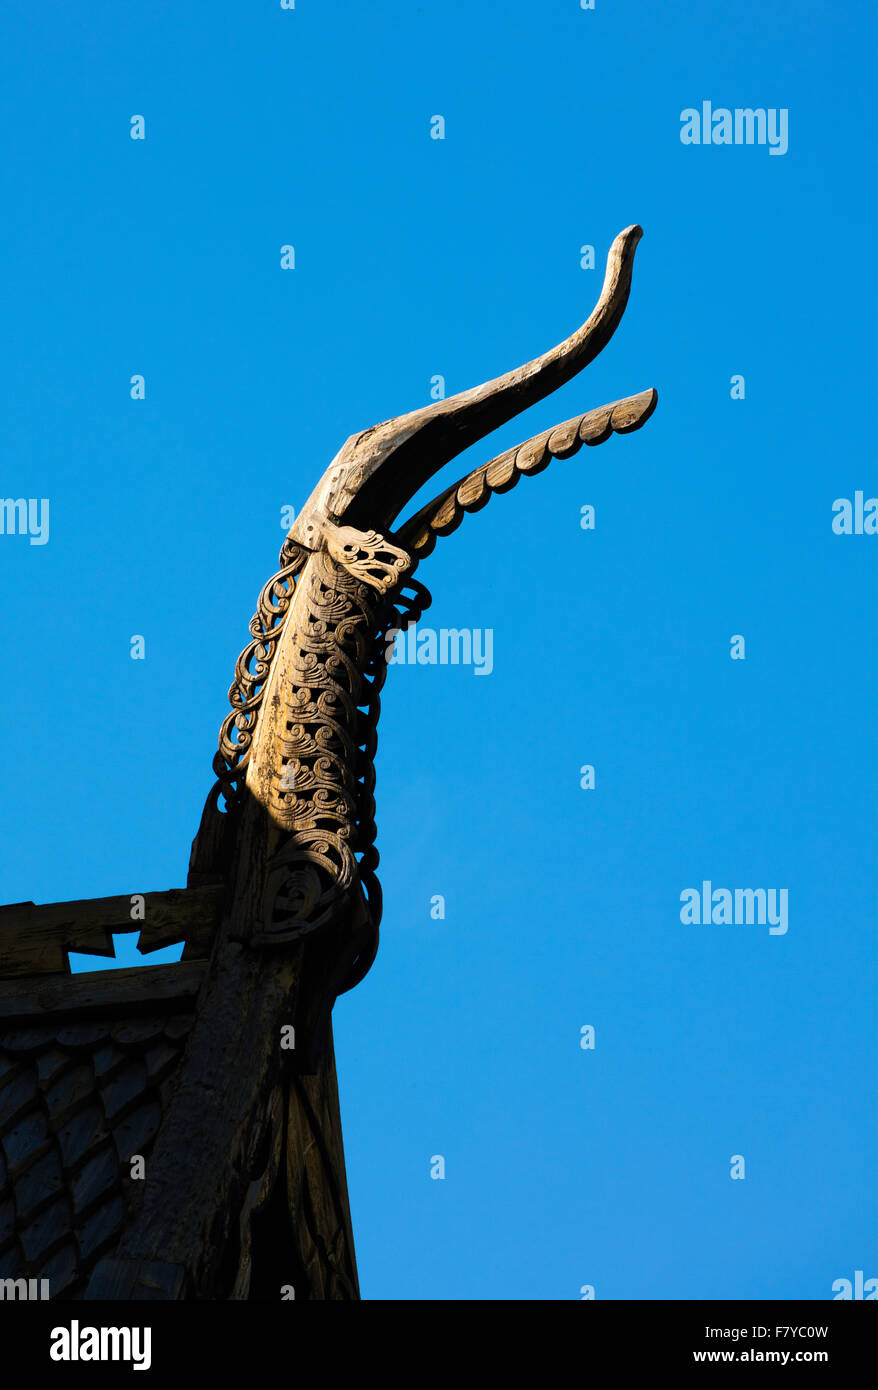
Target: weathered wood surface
87,1067
318,1209
93,993
246,1190
35,939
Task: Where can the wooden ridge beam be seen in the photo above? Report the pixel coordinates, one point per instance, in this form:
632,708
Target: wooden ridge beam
35,939
140,989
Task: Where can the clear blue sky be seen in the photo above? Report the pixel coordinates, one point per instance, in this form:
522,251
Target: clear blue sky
417,257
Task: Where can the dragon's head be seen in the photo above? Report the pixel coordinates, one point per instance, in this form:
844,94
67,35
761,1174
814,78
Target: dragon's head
376,473
323,687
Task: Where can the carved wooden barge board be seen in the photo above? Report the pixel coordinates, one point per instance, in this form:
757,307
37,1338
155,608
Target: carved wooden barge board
245,1191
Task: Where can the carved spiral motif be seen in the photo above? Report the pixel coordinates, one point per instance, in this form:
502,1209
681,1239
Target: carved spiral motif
316,792
322,776
323,788
252,670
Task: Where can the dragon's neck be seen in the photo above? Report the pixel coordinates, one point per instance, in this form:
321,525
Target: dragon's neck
295,763
310,762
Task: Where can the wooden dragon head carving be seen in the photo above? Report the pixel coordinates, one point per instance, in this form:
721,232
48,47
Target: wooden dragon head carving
295,841
247,1172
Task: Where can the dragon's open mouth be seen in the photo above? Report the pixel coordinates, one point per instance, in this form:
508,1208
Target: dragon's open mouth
376,473
445,513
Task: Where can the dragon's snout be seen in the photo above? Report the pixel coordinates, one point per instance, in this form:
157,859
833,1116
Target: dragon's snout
377,472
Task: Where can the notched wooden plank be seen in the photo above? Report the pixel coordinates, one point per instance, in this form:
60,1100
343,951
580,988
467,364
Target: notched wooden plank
35,939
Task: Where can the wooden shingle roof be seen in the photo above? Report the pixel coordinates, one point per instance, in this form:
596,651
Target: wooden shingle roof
87,1063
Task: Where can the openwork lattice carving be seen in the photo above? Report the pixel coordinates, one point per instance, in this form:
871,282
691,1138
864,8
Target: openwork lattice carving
252,670
322,788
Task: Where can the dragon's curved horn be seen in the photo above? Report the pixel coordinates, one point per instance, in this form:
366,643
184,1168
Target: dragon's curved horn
380,469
